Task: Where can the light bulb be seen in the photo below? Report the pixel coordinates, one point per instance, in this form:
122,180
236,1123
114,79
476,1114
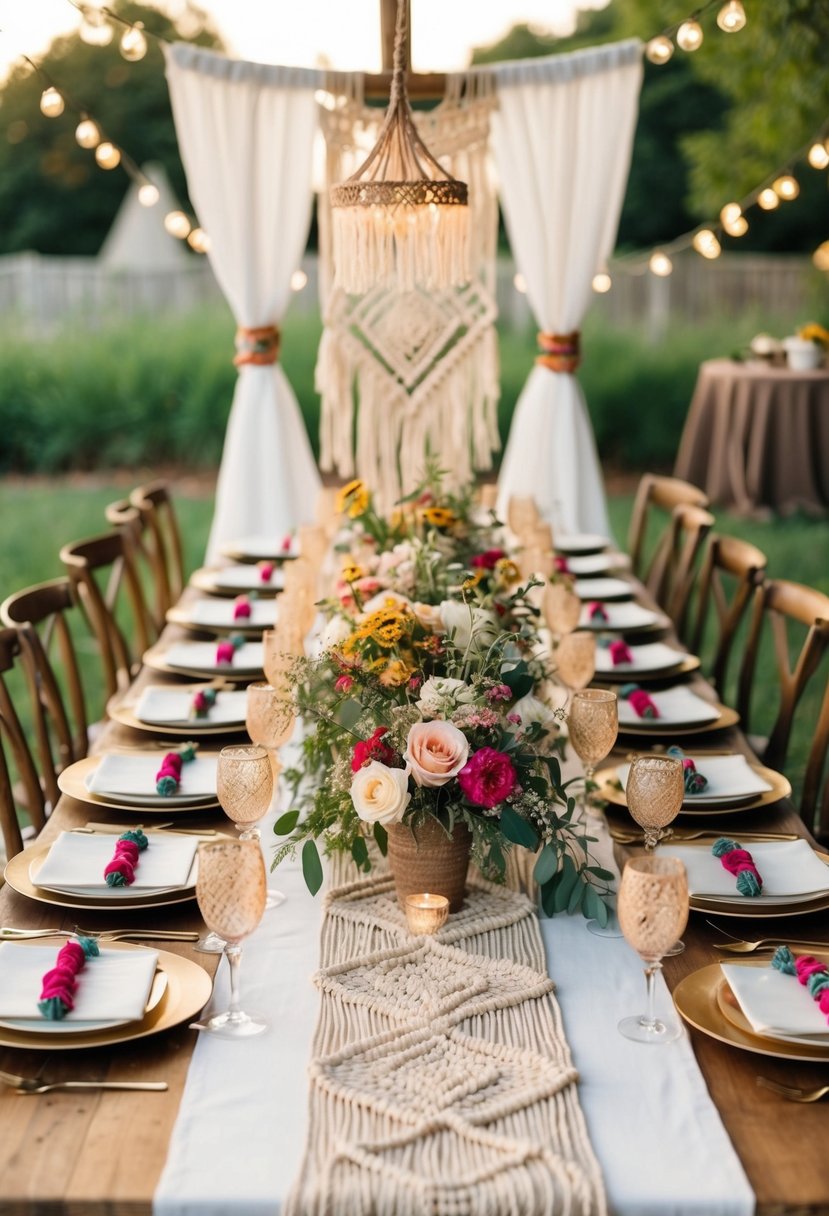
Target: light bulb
87,133
737,227
133,44
659,49
821,256
107,155
177,224
706,243
95,30
660,264
520,283
818,156
147,194
51,102
731,17
786,187
730,213
298,280
689,35
198,240
602,282
767,199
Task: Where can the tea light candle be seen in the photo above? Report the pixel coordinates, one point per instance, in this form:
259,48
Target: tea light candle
426,913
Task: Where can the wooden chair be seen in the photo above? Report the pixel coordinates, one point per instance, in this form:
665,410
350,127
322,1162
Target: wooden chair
674,567
20,788
155,504
731,570
122,515
661,494
814,803
107,584
779,606
52,666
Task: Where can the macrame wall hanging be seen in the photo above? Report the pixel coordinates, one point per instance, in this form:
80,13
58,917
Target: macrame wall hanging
408,375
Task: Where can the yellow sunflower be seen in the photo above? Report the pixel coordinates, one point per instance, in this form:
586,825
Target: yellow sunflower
396,674
353,498
351,572
386,626
506,572
439,517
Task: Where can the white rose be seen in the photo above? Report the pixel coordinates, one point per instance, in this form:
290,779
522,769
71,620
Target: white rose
436,751
530,709
468,625
380,794
429,616
335,632
441,695
381,600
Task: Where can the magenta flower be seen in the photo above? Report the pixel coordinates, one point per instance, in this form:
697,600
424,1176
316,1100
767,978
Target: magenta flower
487,778
498,692
344,684
487,560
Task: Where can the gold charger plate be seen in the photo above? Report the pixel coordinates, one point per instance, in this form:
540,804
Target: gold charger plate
209,579
17,876
610,790
122,711
247,675
697,1002
690,663
728,717
72,781
238,553
188,990
756,909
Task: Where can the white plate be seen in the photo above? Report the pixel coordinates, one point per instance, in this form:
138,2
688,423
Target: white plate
623,617
119,776
581,542
595,563
63,1026
790,869
200,657
647,658
232,580
263,548
210,613
162,705
777,1005
603,589
75,865
677,706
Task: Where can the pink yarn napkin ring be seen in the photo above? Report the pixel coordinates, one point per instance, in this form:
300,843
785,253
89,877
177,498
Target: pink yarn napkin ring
597,611
619,652
168,777
739,862
812,974
226,651
120,871
59,984
266,570
241,608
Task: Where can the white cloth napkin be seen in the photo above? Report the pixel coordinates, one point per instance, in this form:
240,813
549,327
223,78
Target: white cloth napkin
218,614
787,867
730,779
776,1004
626,615
164,705
677,706
245,577
263,548
201,656
580,542
603,588
76,860
119,775
651,656
114,986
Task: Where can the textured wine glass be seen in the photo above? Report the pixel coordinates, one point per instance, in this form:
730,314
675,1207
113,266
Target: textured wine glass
654,792
522,514
230,890
576,659
280,648
653,911
270,722
592,725
562,609
313,544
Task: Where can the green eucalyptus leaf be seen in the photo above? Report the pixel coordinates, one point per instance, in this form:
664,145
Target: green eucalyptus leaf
517,829
359,851
546,865
576,896
311,866
286,823
381,838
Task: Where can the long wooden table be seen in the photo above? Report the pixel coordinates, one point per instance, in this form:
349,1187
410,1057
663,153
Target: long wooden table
101,1154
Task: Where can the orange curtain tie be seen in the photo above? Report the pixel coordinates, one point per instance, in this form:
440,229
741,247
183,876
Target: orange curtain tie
259,345
560,352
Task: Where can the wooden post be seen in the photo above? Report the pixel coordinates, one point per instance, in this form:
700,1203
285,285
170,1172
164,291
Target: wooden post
388,20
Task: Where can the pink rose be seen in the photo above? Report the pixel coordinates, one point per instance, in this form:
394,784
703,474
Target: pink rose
436,751
487,560
488,778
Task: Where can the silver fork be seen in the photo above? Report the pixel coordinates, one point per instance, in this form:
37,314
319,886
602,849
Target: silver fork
31,1085
792,1092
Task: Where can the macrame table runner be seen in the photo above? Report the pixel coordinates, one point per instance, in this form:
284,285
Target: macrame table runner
441,1083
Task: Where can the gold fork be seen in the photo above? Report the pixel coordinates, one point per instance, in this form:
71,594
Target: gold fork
630,836
31,1085
792,1093
766,943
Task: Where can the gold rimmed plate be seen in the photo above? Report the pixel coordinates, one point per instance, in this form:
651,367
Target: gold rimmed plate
215,616
18,875
697,1000
755,909
630,675
245,673
67,1026
261,549
657,728
124,712
72,781
236,580
610,790
187,992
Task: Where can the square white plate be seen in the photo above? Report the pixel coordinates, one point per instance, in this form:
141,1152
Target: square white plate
161,705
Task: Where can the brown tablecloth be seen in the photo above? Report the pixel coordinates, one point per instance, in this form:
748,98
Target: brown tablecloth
758,437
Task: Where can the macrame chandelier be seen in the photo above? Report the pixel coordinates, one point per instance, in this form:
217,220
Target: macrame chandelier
401,217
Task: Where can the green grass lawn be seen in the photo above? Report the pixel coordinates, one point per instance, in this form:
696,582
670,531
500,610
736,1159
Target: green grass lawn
40,515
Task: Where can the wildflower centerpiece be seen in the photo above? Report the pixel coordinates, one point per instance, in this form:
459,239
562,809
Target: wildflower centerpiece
423,733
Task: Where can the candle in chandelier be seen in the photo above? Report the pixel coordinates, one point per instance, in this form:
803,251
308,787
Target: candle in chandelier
426,913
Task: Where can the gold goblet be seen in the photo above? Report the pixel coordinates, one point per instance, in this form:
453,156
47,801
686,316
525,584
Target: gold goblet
522,515
230,890
653,911
593,724
562,609
654,792
576,659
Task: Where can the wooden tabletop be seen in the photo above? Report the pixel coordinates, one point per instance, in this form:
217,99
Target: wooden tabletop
101,1154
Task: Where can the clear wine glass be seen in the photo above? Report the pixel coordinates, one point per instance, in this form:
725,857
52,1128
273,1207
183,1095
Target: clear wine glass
562,609
576,659
592,724
653,911
230,890
654,791
270,722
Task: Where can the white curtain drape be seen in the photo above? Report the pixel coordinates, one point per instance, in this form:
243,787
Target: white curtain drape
562,139
246,133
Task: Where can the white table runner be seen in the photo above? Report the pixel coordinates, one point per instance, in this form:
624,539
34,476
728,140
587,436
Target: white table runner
238,1143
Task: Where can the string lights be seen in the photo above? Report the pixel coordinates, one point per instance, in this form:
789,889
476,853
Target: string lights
688,35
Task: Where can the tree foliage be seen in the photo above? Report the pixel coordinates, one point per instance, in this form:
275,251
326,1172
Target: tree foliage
53,196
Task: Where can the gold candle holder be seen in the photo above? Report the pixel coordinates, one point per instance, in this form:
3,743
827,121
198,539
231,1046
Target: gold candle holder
426,913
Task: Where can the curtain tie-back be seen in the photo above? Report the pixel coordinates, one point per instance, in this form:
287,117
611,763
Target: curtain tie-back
561,352
259,345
